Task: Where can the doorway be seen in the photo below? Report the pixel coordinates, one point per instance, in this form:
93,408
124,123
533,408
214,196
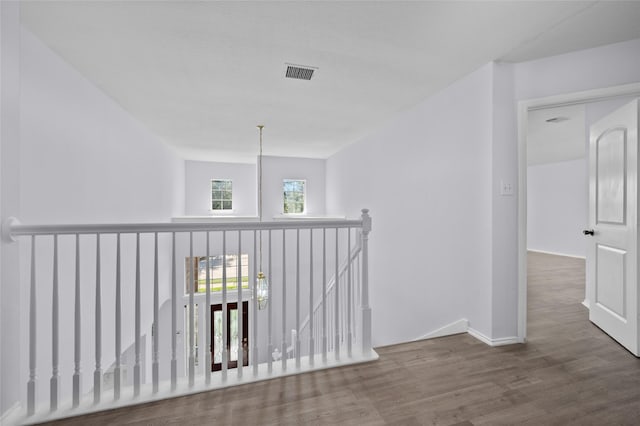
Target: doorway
524,108
232,335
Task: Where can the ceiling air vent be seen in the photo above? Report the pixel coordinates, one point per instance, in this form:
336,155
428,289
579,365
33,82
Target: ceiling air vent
300,72
557,119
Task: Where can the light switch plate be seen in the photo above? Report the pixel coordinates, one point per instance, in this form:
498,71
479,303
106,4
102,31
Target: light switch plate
506,188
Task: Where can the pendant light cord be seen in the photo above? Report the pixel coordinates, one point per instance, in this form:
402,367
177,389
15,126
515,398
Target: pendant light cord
260,126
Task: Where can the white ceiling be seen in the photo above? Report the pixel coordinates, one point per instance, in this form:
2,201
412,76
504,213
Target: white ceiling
560,141
201,75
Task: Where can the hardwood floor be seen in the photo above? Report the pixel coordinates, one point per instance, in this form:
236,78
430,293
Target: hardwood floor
568,373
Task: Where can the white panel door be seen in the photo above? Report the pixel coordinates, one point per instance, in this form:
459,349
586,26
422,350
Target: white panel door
613,206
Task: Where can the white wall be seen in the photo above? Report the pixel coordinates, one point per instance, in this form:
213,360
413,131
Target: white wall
86,160
504,294
10,324
198,187
594,111
245,188
582,70
454,172
557,197
275,169
426,178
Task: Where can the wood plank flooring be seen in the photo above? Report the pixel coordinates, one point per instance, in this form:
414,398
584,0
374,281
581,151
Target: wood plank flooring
568,373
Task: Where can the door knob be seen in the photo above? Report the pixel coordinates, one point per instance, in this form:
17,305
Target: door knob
588,232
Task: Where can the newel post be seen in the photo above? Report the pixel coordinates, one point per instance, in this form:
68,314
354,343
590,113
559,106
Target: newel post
366,310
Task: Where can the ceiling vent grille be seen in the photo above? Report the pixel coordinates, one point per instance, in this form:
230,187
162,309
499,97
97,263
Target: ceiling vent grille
299,72
557,119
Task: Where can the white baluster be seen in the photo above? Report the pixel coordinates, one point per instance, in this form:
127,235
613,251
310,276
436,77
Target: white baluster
336,345
192,282
269,314
254,304
225,354
284,301
55,310
207,309
324,295
341,318
174,313
136,365
352,305
97,374
297,297
239,288
77,331
343,308
311,310
330,327
156,317
349,334
118,349
31,384
357,293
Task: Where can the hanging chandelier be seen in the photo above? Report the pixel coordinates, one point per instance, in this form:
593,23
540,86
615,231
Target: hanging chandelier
262,284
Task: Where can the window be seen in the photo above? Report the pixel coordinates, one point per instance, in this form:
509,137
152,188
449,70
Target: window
294,194
221,195
187,326
199,266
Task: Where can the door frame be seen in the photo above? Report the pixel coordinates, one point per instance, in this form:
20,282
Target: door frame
524,106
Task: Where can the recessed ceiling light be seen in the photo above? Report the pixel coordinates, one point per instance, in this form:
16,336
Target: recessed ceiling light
300,72
556,119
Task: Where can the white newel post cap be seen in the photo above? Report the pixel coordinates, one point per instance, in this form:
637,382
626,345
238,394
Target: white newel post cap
7,226
366,221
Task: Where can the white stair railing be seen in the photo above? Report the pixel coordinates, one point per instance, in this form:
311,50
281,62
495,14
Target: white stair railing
102,274
326,303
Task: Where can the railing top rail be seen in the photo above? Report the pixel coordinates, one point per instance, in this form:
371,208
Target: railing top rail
12,228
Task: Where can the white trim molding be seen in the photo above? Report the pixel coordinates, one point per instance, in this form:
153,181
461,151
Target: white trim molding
558,254
586,303
500,341
456,327
462,326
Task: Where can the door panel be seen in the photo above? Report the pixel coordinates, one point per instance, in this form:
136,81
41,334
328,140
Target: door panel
612,271
611,167
610,281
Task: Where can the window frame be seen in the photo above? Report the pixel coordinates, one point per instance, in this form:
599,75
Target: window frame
304,197
221,200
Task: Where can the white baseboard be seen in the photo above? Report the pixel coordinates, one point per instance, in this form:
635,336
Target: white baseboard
586,304
557,254
455,327
462,326
501,341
